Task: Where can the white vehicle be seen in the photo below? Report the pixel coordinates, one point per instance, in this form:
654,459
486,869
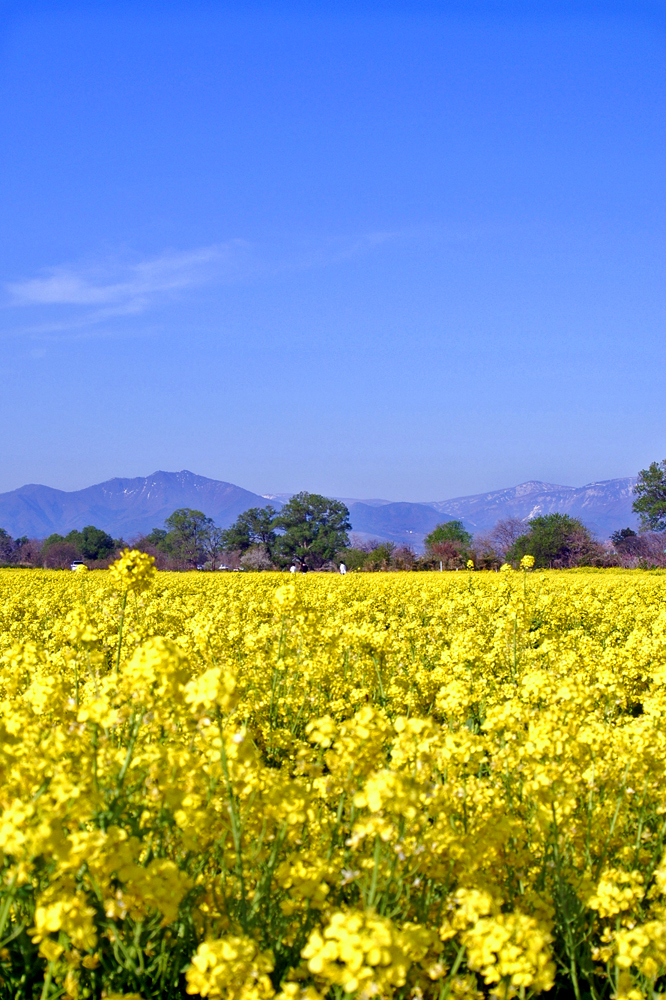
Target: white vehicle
78,564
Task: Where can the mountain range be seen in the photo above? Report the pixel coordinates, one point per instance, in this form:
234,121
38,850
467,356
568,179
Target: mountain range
123,507
129,507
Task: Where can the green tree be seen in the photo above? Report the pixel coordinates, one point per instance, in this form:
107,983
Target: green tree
52,540
315,529
189,536
449,544
650,492
95,543
91,543
449,531
255,526
75,538
555,540
159,537
622,536
380,557
353,558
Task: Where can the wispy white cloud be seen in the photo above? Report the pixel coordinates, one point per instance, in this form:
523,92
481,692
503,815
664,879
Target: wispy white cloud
73,297
128,287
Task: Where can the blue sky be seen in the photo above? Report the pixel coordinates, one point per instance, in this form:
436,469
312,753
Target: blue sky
402,250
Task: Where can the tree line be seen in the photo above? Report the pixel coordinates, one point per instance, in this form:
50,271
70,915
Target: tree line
91,544
311,533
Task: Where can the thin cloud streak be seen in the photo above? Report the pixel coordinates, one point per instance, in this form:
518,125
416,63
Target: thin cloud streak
67,285
93,295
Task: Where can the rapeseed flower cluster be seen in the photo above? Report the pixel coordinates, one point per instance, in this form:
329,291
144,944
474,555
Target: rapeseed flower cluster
419,786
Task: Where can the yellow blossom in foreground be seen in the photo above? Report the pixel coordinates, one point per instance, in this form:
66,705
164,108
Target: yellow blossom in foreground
231,968
133,571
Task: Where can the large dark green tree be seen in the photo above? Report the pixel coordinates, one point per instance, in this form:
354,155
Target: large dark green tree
94,543
189,539
555,540
650,492
190,536
255,526
315,528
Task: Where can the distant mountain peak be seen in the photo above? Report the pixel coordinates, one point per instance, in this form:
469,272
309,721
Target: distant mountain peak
536,486
122,506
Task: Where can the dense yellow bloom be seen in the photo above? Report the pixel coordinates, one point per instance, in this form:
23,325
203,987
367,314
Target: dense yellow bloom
617,891
412,786
512,951
364,953
133,571
231,968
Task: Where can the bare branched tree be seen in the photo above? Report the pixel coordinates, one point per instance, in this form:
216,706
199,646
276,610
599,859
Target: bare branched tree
505,533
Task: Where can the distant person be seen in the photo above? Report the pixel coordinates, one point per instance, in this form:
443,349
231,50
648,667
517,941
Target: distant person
343,568
292,568
304,567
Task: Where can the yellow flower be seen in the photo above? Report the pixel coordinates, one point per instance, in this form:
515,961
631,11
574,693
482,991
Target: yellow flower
362,952
70,914
214,687
616,891
134,571
231,967
80,629
286,598
511,948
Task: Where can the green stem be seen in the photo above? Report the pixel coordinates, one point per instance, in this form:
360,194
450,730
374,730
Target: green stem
515,648
236,830
130,749
375,873
446,987
120,631
6,906
94,746
47,982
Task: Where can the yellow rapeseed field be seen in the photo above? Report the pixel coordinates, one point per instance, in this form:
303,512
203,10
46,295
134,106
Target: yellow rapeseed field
414,785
